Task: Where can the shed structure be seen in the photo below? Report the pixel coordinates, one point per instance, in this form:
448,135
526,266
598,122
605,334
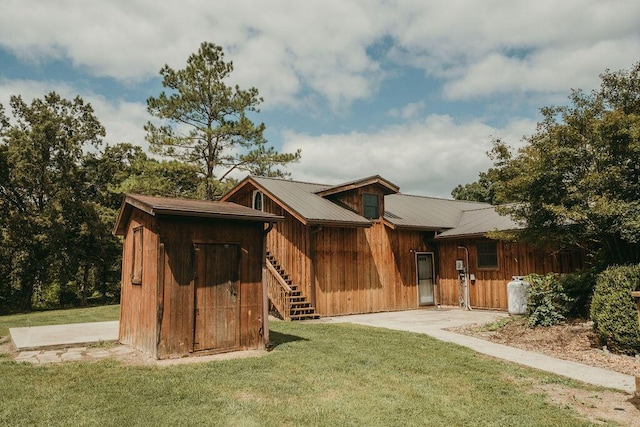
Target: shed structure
192,276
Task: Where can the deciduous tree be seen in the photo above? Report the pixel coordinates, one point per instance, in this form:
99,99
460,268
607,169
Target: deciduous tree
42,190
577,179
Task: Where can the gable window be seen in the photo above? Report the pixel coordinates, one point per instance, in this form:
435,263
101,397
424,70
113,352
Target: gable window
371,206
487,254
258,200
136,262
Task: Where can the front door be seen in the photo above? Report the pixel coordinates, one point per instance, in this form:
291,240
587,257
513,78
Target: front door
217,303
424,268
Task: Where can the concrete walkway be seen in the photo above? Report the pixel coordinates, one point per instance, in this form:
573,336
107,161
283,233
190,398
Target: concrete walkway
41,337
432,322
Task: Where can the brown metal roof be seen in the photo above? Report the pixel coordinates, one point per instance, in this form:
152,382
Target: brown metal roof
404,211
301,198
184,207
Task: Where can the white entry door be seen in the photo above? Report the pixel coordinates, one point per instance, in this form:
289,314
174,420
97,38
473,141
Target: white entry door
424,266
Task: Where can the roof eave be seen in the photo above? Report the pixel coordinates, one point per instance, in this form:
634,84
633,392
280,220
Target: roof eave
339,224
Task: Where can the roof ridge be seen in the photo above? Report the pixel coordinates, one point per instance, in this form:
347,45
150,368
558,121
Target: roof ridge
443,199
273,178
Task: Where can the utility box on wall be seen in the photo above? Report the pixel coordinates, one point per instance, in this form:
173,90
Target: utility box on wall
191,276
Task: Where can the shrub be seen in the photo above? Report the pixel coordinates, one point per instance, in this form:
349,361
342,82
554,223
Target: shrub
613,309
547,304
579,288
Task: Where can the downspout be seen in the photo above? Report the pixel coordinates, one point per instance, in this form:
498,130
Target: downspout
467,302
265,296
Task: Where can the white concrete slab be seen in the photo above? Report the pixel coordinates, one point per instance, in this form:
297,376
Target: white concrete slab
39,337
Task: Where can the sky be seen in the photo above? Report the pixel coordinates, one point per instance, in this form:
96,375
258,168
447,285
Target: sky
412,90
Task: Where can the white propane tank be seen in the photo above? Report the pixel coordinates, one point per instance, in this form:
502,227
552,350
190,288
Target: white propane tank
517,291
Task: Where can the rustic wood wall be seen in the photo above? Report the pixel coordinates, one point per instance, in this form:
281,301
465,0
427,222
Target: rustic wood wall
366,270
288,241
177,238
352,199
138,301
489,290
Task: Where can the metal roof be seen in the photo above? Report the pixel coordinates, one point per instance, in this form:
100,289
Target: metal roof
300,197
184,207
406,211
481,221
452,218
388,186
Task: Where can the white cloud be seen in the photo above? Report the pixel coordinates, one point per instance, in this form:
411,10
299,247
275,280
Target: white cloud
287,47
427,158
122,120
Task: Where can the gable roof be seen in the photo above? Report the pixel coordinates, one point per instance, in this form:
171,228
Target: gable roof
184,207
302,198
387,186
450,218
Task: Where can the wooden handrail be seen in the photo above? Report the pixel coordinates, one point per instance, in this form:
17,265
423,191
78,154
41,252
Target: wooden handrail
278,278
279,292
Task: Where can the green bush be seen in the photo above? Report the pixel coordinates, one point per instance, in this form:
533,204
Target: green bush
579,288
547,303
613,309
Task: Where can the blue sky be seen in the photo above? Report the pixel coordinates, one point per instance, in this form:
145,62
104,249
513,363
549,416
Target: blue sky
413,90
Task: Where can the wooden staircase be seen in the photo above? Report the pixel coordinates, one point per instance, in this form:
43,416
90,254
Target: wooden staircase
287,298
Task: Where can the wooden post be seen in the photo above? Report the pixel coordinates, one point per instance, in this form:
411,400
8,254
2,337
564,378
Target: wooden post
636,295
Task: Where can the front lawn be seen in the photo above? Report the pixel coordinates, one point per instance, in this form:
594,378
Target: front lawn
317,374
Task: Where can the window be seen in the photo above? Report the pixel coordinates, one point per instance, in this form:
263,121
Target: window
487,254
258,200
136,264
371,206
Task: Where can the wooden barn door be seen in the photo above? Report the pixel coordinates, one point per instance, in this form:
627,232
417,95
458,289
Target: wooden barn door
424,267
217,302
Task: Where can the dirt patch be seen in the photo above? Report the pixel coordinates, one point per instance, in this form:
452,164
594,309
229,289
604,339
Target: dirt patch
577,342
574,341
598,407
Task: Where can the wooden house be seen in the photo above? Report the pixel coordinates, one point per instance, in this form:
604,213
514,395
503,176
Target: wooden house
363,247
192,276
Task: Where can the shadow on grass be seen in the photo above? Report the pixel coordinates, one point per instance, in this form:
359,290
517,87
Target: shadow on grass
278,338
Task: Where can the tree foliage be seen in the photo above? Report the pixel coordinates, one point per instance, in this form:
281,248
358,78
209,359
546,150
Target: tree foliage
205,122
577,179
47,224
477,191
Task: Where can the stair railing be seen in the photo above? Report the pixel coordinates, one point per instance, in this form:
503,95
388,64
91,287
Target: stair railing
279,292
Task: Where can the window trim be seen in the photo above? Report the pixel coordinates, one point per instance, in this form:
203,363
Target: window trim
257,195
136,255
485,253
377,206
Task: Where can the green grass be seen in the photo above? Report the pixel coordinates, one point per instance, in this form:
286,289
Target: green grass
317,374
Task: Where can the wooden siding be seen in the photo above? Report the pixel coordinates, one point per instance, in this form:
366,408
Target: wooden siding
288,241
352,199
137,301
489,290
366,270
158,315
178,237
